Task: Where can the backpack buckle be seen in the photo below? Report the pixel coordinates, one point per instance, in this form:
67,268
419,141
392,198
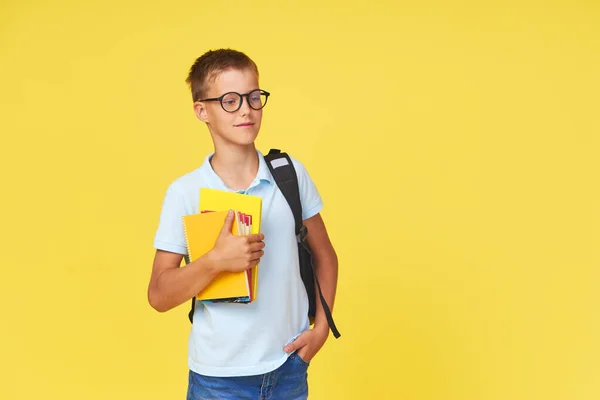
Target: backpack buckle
301,237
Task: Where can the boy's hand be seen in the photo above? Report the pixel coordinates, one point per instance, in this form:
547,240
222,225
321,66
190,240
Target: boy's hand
308,343
232,253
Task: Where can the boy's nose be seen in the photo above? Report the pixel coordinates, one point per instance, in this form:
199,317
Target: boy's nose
245,108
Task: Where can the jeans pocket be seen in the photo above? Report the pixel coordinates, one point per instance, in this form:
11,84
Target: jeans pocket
300,360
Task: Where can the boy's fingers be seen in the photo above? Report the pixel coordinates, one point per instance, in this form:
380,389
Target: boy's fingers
227,224
295,345
257,237
290,347
257,246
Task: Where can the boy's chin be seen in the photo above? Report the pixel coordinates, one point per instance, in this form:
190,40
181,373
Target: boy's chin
238,139
243,140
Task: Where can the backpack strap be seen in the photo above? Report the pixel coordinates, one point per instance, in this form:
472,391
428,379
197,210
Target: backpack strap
193,301
287,180
283,171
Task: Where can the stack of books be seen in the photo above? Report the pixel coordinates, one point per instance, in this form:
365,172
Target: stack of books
202,230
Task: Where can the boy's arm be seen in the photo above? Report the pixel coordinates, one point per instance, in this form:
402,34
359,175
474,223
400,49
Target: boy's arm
171,285
326,266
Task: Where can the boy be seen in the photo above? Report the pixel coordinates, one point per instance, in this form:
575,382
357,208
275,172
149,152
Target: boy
262,349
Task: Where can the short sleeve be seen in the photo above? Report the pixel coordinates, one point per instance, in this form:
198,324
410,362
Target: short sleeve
170,235
309,194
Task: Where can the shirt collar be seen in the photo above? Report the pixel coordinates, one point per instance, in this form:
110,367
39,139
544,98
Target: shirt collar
263,174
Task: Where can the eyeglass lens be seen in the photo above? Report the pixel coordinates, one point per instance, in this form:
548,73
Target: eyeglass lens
233,101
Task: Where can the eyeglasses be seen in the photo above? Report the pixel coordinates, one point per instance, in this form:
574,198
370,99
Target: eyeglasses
232,101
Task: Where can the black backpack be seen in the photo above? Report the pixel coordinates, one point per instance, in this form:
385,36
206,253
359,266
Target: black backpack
287,181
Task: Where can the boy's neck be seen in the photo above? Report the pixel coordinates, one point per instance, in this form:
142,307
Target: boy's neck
236,166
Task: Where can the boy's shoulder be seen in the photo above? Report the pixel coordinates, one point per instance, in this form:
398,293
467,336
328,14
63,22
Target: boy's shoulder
301,170
296,163
192,178
186,180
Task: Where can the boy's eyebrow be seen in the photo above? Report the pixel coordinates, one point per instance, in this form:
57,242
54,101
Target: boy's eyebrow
233,91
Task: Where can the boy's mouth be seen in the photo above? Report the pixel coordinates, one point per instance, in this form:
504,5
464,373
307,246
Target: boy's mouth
244,124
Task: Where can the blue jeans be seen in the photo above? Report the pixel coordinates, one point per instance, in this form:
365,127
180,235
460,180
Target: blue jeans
288,382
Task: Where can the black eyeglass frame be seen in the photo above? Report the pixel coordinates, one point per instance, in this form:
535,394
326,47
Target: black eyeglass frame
220,99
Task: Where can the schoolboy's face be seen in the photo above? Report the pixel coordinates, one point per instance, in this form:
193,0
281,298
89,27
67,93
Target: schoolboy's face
239,127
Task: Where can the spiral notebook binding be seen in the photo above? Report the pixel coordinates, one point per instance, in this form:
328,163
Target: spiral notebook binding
187,242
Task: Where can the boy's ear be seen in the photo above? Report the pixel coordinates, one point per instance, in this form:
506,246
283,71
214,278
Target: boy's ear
200,111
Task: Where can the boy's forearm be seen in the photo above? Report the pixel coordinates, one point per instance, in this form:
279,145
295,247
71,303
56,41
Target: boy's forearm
327,272
176,286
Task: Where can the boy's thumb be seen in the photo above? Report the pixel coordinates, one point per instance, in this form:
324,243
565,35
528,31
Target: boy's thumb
228,224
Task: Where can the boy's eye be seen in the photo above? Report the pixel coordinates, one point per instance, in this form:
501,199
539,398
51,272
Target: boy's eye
230,100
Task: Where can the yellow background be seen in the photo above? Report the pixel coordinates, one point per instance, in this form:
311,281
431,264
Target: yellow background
455,145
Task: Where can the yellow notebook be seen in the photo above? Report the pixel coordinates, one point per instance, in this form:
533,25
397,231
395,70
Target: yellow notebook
222,201
201,232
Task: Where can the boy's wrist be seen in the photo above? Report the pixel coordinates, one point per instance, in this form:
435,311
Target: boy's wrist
210,264
321,329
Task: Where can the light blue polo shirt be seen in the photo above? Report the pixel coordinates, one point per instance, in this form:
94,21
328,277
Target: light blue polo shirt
245,339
